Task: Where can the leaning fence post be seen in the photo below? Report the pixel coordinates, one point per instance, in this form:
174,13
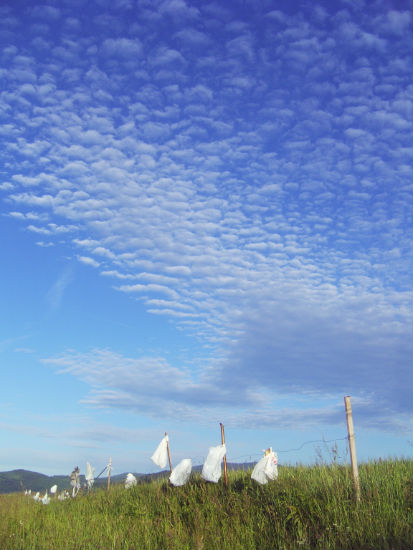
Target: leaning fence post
352,445
225,455
169,452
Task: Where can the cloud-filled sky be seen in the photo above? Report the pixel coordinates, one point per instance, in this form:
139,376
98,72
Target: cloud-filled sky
205,217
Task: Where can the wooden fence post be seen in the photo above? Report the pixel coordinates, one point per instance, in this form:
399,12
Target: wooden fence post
169,454
109,470
225,455
352,445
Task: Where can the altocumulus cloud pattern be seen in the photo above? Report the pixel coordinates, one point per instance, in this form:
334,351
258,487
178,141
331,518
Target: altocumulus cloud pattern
240,168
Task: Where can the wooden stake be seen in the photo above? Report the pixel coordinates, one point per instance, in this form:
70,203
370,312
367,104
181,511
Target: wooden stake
225,455
109,470
169,454
352,445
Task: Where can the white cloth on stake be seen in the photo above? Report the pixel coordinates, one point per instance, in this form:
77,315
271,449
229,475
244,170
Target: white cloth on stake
266,469
160,456
180,474
75,481
90,475
211,470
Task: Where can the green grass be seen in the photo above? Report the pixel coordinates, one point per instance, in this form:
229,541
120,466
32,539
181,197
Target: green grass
308,507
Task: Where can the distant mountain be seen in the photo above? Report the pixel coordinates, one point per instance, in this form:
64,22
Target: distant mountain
19,480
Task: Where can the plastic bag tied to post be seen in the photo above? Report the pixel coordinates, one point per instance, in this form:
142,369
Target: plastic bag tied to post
211,470
180,474
75,481
160,456
130,481
266,469
90,475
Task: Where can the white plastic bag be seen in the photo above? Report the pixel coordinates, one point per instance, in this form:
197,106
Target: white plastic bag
160,456
180,474
271,467
266,469
75,481
211,470
90,475
130,481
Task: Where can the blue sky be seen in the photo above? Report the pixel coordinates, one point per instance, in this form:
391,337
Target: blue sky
205,217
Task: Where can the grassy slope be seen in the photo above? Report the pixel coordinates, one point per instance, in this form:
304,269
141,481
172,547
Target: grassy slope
308,507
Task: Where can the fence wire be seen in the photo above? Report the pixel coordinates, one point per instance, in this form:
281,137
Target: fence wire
254,457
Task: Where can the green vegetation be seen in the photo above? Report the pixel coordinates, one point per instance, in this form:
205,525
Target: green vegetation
18,480
308,507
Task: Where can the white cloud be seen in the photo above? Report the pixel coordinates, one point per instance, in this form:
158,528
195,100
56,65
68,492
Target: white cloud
6,186
193,37
166,56
394,22
149,288
88,261
138,385
122,47
270,167
40,230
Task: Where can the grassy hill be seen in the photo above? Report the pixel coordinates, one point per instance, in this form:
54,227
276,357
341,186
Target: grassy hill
307,507
19,480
